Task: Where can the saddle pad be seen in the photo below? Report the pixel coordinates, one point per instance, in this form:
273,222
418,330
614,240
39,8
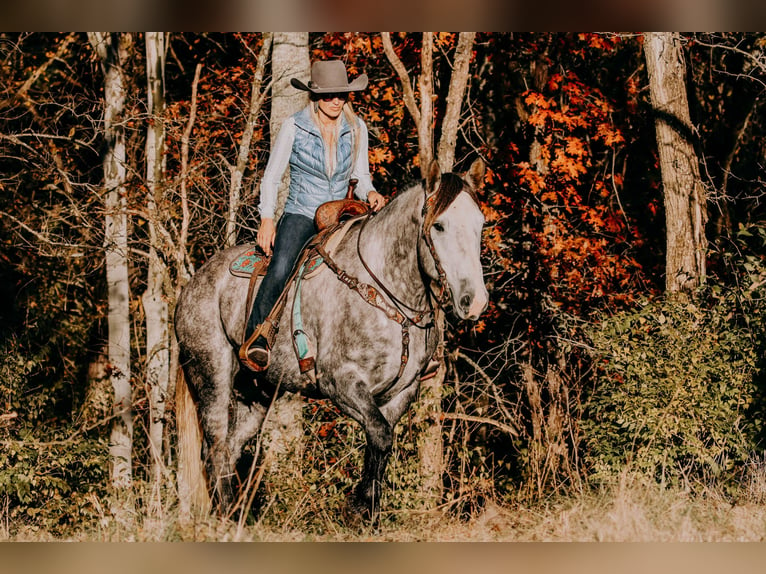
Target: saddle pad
251,261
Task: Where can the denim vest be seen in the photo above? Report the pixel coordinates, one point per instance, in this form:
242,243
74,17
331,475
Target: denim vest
310,186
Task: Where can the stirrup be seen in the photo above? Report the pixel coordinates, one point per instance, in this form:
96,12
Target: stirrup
255,358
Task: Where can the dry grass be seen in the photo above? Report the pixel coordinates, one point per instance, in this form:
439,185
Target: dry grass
631,511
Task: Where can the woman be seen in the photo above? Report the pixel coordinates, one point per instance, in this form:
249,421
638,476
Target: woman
326,146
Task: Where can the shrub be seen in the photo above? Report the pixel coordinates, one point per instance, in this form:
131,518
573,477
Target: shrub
51,472
675,391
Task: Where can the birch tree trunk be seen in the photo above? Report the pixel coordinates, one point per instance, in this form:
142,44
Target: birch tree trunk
290,59
154,298
257,96
113,49
430,446
685,198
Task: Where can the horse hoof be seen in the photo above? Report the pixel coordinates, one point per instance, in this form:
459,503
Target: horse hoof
352,518
357,514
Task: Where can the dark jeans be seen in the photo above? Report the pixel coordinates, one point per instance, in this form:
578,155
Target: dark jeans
293,231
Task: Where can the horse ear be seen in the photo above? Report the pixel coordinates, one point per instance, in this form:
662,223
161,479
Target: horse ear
434,177
475,174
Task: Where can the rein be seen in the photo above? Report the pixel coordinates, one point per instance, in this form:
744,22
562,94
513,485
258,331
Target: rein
372,295
418,315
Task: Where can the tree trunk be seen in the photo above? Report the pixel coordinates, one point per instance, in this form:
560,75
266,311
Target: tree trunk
290,59
430,446
685,207
113,50
257,95
426,125
154,298
430,443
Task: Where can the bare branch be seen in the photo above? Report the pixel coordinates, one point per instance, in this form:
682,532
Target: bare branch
22,92
482,420
181,254
758,61
409,95
458,82
41,237
490,383
257,96
5,419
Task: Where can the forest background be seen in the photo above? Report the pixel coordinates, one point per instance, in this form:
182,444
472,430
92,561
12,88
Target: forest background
625,330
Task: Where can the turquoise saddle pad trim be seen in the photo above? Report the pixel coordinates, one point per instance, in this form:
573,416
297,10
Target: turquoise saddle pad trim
301,340
246,262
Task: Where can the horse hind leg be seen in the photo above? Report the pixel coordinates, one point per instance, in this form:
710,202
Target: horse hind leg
246,424
227,425
210,376
217,458
225,452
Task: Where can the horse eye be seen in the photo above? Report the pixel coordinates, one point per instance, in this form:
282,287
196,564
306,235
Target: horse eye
438,226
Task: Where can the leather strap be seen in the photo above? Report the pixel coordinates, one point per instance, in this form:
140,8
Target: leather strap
372,296
418,315
270,325
301,341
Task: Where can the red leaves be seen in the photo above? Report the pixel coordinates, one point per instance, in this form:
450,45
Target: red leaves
578,233
530,178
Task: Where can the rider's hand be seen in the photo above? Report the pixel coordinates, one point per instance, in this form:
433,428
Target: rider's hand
266,233
375,200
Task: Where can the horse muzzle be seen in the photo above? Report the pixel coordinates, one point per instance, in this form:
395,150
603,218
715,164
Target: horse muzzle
472,304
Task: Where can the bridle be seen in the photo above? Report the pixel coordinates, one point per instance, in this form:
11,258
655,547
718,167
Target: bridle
443,296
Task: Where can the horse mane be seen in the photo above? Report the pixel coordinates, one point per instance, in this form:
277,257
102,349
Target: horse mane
449,188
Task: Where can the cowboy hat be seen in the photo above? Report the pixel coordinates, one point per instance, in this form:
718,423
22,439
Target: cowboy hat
329,77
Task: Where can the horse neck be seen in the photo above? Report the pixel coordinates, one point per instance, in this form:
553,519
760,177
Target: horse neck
389,245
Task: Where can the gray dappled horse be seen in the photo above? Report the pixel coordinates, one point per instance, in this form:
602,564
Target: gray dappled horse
369,312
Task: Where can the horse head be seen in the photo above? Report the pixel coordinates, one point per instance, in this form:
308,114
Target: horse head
452,226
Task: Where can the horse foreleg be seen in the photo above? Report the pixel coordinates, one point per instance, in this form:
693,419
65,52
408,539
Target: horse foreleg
379,430
367,493
355,401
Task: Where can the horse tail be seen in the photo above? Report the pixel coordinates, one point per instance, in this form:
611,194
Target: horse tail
193,496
